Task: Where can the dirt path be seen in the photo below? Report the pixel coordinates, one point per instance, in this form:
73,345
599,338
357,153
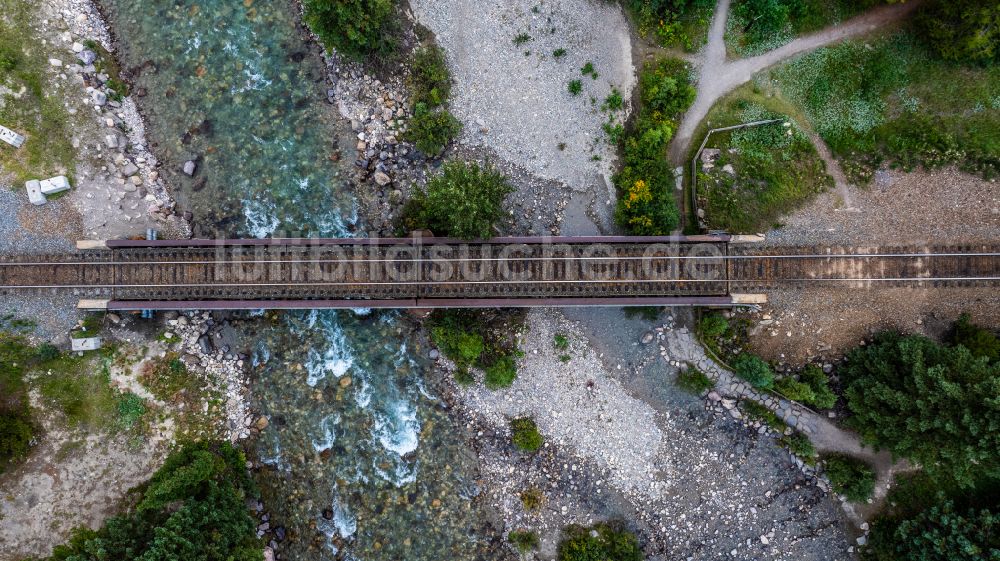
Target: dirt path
842,188
719,76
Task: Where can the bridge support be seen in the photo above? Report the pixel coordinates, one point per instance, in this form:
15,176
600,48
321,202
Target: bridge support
95,305
89,245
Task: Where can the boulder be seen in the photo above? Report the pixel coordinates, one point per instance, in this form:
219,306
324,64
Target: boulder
130,169
100,98
87,57
190,167
382,178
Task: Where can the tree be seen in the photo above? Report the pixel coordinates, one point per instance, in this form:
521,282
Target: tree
193,508
962,30
850,477
356,28
934,404
465,201
939,533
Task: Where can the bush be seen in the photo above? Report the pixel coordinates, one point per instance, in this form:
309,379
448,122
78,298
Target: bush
713,326
464,376
430,80
850,477
525,435
816,379
575,87
980,342
674,22
927,402
430,130
694,381
754,370
524,540
800,445
356,28
465,201
795,391
194,507
46,352
15,439
602,542
501,374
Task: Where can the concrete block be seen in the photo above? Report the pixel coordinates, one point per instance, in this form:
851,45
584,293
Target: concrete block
88,344
35,195
11,137
55,185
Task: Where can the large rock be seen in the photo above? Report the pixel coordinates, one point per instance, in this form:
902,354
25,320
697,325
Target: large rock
190,167
130,169
54,185
87,57
382,178
100,98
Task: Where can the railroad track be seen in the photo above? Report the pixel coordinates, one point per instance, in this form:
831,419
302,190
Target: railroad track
487,272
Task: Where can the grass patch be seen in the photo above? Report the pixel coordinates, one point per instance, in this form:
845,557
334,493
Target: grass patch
559,53
560,342
893,102
521,38
525,435
849,476
604,542
575,87
759,412
758,26
694,381
773,169
532,499
523,540
37,113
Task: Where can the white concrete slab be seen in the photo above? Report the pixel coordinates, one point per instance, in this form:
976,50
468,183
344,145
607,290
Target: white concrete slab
55,185
89,344
11,137
35,195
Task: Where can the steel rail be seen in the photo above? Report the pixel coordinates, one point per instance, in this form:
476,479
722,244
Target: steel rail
510,259
513,282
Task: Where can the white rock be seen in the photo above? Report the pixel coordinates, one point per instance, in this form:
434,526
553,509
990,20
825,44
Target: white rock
35,195
55,62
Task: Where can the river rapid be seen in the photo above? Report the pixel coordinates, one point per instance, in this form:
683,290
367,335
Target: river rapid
361,458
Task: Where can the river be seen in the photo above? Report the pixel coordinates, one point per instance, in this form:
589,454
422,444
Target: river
363,461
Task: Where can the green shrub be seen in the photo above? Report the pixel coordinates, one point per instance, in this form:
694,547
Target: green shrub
356,28
754,370
47,352
646,204
430,130
674,23
712,326
980,342
794,390
559,53
588,70
194,507
614,101
927,402
755,410
816,379
532,499
525,435
694,381
430,80
9,59
524,540
464,376
602,542
131,409
851,477
561,342
575,87
521,38
501,374
460,346
800,445
464,201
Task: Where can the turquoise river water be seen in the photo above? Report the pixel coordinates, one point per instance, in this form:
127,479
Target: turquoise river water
363,461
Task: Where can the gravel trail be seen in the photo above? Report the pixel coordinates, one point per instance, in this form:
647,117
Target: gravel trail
719,76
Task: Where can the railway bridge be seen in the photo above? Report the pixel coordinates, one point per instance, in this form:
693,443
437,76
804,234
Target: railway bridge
427,272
